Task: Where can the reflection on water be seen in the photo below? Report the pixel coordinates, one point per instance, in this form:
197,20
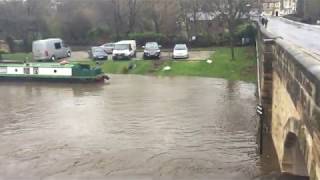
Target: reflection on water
137,127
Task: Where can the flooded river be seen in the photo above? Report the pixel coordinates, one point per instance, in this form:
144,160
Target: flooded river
136,127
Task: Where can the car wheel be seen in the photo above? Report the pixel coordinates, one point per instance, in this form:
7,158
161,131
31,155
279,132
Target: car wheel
69,54
53,58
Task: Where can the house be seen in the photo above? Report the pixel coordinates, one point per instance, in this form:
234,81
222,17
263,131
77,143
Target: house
208,23
271,7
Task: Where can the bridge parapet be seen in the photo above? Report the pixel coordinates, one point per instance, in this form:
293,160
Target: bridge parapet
290,93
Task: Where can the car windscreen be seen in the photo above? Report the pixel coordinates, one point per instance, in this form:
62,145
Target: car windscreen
152,46
109,45
97,50
121,46
180,47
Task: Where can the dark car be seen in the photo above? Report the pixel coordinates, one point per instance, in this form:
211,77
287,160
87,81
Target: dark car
108,47
98,53
151,50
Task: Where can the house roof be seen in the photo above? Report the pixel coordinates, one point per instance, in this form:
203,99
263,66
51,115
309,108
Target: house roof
203,16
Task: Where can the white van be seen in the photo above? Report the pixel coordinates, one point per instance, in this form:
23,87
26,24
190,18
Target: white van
124,49
50,49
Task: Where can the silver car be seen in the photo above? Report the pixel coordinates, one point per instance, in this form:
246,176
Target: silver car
108,47
180,51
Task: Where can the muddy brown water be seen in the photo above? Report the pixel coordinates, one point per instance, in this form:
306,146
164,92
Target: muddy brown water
135,127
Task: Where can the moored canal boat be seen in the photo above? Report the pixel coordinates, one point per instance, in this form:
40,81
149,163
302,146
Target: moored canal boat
70,72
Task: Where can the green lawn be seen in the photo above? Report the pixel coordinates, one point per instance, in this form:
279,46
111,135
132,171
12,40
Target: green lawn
243,68
18,56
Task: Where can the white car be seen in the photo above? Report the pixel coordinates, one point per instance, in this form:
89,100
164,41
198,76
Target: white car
180,51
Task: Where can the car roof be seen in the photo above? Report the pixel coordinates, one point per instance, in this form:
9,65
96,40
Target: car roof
181,45
50,39
96,47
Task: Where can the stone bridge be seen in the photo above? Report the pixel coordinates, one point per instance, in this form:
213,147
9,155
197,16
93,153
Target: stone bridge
289,90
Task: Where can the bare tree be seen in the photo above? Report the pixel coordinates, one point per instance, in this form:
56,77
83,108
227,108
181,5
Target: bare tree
132,6
117,18
231,11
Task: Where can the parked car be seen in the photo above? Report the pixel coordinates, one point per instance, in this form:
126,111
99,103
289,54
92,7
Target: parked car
108,47
151,50
50,49
180,51
124,49
98,53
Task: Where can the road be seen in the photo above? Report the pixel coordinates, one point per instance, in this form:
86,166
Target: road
194,55
304,36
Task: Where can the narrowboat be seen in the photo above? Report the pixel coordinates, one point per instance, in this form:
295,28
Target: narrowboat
71,72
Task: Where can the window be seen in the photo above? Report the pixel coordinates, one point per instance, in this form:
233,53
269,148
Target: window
26,70
3,70
35,70
57,45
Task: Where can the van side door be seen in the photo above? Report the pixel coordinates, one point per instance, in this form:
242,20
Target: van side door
131,50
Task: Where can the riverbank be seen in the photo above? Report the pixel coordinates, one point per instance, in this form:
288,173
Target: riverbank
243,68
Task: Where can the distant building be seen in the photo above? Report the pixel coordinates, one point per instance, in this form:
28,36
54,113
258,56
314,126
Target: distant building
4,46
271,7
203,16
288,7
205,23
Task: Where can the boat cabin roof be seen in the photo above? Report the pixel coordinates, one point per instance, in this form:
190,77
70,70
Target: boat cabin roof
43,65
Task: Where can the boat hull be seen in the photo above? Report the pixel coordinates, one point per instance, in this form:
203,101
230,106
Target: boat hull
95,79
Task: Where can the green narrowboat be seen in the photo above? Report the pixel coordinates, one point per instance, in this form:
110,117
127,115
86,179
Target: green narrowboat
71,72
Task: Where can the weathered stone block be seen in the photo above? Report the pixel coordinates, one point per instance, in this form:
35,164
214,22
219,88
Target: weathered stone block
315,119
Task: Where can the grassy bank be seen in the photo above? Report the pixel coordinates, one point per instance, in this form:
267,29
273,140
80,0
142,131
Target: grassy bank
243,68
18,56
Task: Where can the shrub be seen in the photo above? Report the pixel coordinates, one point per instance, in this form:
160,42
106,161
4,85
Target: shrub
203,40
10,42
100,34
245,30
